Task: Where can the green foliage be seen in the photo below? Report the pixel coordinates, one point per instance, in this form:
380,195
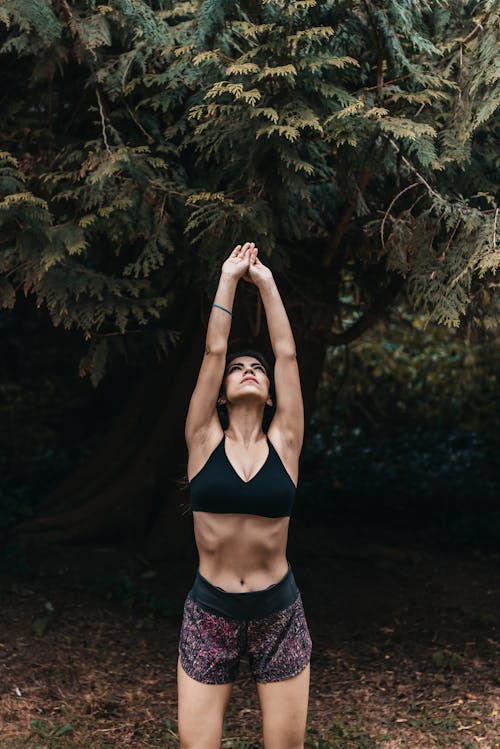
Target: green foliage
405,434
140,139
439,484
132,594
341,734
405,373
46,730
447,660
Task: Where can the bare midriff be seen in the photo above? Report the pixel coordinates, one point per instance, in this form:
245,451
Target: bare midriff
241,553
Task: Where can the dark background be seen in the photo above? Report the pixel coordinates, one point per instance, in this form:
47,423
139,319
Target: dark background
403,437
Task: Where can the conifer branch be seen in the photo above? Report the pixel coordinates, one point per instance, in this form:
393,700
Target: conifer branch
384,84
137,193
119,333
67,10
380,57
143,131
16,268
103,122
380,75
68,15
442,257
475,31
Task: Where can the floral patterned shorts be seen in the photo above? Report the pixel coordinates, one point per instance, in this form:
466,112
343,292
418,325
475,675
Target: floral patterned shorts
210,645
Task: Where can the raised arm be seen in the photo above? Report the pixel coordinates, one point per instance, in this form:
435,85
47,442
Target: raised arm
289,416
202,406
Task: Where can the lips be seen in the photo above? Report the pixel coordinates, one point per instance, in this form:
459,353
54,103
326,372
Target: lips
249,379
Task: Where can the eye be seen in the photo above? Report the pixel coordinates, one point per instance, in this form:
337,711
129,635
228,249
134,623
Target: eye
238,366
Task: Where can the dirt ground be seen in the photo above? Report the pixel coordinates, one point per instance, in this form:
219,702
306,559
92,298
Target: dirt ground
406,645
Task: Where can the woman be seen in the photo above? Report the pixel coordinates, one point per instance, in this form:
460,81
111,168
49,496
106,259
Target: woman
242,484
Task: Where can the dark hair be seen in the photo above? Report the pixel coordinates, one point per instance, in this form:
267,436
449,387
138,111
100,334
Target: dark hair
269,411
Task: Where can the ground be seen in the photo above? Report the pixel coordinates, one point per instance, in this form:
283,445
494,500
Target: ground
406,645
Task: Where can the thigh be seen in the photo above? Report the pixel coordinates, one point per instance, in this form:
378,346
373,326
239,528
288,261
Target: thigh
201,710
280,649
209,655
279,645
210,644
284,710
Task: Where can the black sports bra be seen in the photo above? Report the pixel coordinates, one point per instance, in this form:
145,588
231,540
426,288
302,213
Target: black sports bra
218,488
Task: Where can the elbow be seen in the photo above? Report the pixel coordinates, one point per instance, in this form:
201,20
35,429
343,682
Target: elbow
216,347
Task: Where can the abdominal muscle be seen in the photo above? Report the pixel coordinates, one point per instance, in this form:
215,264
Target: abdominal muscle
241,553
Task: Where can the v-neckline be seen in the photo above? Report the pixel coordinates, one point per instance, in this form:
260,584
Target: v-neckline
234,469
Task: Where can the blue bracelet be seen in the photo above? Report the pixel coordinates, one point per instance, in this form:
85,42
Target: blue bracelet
225,310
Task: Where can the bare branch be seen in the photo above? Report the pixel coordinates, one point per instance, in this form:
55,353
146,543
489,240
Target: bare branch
143,131
66,10
370,317
382,226
475,31
413,169
341,228
103,122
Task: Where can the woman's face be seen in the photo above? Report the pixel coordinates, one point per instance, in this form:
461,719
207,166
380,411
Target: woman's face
246,376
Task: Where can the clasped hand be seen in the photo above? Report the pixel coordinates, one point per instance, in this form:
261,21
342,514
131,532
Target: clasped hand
244,263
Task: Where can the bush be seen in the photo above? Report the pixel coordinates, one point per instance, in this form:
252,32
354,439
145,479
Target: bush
405,435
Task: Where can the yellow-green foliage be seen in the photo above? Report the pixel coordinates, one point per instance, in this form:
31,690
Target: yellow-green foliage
140,141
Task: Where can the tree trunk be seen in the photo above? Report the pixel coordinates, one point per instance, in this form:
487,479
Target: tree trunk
129,489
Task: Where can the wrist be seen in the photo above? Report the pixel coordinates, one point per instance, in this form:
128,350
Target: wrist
228,282
266,283
229,278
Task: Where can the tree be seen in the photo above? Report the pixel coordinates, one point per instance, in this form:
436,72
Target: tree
354,142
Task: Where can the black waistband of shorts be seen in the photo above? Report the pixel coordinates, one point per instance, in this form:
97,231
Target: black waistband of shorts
253,604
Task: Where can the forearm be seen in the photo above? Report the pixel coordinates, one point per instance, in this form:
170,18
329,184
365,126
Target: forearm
219,322
280,331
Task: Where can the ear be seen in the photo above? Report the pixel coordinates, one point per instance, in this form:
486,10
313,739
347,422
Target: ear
269,401
221,400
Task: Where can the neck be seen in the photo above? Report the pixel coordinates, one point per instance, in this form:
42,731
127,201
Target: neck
245,425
